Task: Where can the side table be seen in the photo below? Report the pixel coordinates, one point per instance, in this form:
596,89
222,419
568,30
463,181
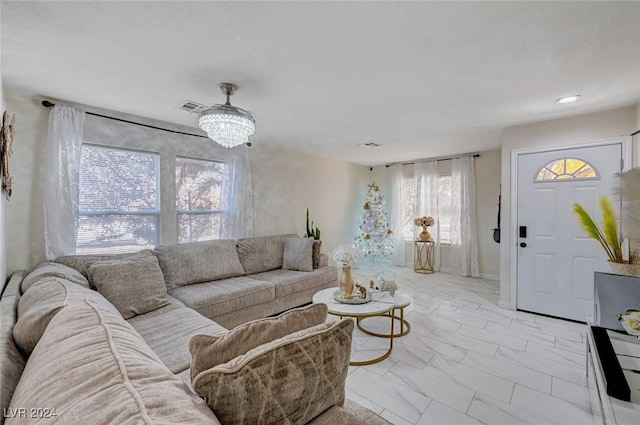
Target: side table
423,255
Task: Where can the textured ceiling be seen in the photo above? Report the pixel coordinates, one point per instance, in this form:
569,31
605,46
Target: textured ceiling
422,79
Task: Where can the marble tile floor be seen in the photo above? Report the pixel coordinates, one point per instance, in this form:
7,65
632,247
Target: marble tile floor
466,361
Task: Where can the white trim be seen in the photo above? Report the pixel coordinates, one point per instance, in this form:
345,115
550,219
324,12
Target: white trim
504,305
624,141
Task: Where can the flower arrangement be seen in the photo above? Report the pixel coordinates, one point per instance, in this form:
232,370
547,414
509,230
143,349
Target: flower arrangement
631,322
345,256
424,222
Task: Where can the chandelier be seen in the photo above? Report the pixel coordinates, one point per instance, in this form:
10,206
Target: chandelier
225,124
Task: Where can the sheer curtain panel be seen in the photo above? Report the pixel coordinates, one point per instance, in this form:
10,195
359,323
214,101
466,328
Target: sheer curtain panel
61,184
426,175
397,215
464,239
237,194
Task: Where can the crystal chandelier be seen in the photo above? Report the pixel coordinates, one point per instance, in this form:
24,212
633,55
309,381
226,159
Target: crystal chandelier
225,124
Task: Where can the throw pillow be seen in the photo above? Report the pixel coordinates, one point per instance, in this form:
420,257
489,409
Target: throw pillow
289,380
298,254
208,351
79,262
316,253
134,286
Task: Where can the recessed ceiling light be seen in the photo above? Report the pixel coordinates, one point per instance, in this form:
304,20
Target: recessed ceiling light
568,99
369,145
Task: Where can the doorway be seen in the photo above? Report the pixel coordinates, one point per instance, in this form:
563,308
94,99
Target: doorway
555,258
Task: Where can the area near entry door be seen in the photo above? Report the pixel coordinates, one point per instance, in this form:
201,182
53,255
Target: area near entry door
556,259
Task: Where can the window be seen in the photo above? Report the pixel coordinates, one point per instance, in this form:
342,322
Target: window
198,192
118,200
444,207
567,169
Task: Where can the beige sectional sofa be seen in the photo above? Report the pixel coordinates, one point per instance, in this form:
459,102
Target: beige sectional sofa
120,354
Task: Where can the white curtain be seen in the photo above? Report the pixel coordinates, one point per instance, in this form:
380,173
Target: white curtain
464,239
61,183
397,215
237,194
426,175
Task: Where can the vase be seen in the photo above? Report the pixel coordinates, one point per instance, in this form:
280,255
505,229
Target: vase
625,269
346,283
425,235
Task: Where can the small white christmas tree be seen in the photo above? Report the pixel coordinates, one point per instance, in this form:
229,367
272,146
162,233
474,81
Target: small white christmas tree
375,235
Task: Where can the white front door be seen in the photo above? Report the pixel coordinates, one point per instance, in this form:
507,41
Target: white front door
556,260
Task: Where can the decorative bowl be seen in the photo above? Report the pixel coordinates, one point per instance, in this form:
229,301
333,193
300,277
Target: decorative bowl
357,299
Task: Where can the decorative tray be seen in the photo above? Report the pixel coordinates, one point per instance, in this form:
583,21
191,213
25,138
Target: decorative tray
357,299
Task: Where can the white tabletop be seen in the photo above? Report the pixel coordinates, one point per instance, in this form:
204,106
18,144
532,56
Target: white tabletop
381,302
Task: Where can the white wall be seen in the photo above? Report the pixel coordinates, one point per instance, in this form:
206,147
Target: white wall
559,132
285,183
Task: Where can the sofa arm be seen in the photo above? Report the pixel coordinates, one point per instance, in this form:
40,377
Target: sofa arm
324,260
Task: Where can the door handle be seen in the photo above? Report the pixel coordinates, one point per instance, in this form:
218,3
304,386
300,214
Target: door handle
523,244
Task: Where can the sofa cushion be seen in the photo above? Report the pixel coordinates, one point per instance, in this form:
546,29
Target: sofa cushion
133,286
49,268
264,385
212,299
298,254
289,282
103,373
195,262
208,351
42,301
168,334
11,360
79,262
262,254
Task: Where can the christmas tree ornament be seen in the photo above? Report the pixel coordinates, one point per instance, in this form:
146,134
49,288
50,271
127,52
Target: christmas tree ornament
375,239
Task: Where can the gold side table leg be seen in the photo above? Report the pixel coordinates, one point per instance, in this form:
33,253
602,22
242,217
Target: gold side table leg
405,326
388,352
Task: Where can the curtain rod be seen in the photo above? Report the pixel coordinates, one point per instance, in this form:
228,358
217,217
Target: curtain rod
48,104
446,158
636,132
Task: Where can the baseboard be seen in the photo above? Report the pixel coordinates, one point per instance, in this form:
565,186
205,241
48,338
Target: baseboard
494,277
505,305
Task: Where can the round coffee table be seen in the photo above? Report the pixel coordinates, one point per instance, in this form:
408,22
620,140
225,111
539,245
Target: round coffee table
358,312
400,301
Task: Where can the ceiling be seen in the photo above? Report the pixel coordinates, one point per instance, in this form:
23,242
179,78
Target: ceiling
423,79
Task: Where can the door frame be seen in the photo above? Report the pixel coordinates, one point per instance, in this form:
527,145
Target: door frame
625,141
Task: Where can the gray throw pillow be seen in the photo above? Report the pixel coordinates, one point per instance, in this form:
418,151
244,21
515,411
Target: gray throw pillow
208,351
298,254
289,380
134,286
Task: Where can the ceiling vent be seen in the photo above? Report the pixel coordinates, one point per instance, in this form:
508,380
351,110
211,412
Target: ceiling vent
191,106
369,145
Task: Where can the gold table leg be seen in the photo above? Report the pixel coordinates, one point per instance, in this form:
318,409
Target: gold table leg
405,326
390,336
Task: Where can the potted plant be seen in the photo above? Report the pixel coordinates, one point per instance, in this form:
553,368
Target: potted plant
608,237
